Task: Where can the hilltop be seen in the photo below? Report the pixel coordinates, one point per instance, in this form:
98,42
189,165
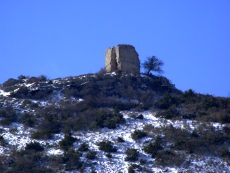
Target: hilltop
111,122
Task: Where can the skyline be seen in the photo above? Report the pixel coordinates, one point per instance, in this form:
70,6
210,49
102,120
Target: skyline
61,39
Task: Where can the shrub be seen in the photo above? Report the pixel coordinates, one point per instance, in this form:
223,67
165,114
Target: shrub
141,117
67,142
9,116
166,101
134,167
224,153
35,146
91,155
131,155
48,125
10,82
189,94
21,77
169,113
72,160
107,146
2,141
83,147
138,134
27,119
153,148
37,79
168,158
41,135
120,139
22,92
113,120
26,161
109,155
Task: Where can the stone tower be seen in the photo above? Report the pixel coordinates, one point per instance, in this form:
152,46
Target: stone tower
123,58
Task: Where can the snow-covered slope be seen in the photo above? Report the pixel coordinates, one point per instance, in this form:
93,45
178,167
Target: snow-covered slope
18,136
33,97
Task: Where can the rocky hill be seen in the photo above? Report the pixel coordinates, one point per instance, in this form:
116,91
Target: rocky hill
111,123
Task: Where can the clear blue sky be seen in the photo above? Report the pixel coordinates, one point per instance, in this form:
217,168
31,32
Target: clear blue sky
60,38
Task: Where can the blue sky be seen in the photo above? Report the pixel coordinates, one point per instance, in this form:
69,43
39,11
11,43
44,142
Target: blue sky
60,38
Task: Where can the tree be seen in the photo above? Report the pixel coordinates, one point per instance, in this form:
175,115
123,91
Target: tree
153,64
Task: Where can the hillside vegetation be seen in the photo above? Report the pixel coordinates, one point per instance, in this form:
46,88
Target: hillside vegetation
111,123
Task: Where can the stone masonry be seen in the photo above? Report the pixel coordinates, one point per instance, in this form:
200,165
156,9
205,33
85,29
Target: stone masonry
122,58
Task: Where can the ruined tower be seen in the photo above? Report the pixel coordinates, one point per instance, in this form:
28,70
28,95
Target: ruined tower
122,58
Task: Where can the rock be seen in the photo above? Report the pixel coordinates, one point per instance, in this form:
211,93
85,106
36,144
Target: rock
122,58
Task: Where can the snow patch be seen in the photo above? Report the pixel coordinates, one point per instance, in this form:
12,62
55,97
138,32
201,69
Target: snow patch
3,93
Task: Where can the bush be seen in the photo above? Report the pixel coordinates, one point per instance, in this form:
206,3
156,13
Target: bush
153,148
169,113
120,139
9,116
83,147
138,134
107,147
91,155
67,142
109,155
166,101
27,119
2,141
168,158
72,160
140,117
35,146
26,161
109,120
21,77
41,135
49,124
22,92
224,153
10,82
131,155
134,167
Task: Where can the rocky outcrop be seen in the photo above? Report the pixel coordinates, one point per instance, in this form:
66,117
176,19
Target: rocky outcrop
122,58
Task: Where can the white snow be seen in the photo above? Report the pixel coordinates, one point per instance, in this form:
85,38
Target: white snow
3,93
53,151
18,136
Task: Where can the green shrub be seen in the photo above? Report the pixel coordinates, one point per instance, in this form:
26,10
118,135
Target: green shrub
91,155
120,139
107,146
41,135
140,117
108,155
26,162
170,113
67,142
134,167
2,141
72,160
153,148
35,146
10,82
167,101
225,153
168,158
9,116
138,134
22,92
83,147
131,155
27,119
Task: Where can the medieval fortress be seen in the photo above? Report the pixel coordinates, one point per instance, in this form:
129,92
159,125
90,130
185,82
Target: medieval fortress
122,58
